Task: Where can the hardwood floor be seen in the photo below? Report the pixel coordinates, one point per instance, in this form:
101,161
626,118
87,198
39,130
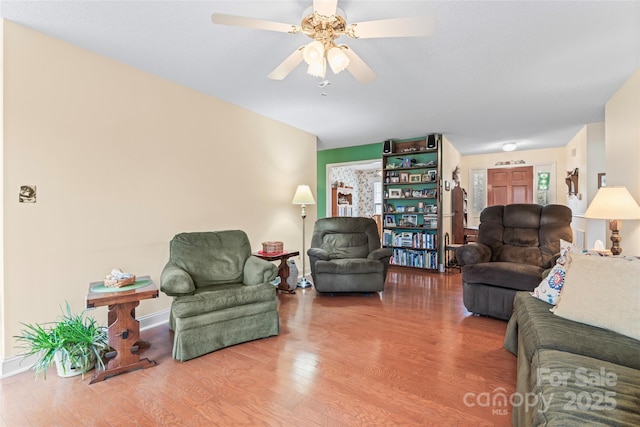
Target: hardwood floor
412,357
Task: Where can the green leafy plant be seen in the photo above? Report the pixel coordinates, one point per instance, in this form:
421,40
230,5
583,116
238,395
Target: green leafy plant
78,339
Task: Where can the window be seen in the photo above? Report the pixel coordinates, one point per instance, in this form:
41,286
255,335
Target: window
377,197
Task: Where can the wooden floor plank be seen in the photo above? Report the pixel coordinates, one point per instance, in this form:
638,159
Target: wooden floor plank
406,357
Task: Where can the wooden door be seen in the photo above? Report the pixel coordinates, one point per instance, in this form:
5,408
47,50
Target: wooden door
510,185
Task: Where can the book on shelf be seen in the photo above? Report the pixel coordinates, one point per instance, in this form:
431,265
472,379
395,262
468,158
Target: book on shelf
414,258
409,239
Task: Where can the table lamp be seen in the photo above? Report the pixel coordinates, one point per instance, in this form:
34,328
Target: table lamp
613,202
303,197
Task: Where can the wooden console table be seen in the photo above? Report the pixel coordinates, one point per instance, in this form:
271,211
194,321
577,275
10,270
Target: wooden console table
283,268
124,329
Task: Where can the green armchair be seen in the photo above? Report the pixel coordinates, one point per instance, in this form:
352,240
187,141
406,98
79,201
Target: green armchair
221,293
345,255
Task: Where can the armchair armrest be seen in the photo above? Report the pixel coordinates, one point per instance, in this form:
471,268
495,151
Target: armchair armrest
174,281
318,254
380,253
473,253
257,271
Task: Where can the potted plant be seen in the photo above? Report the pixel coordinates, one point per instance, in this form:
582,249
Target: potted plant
74,342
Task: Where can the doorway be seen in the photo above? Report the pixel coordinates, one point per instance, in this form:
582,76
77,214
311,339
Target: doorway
365,179
509,185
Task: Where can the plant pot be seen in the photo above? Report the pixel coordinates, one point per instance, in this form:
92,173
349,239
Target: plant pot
65,369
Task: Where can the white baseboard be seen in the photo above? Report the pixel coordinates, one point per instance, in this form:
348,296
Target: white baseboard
17,364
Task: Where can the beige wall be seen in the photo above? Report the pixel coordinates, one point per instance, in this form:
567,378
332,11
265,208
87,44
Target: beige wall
576,157
551,159
2,299
622,136
450,159
585,151
122,161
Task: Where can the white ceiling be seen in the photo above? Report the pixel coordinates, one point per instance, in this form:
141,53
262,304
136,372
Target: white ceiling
532,72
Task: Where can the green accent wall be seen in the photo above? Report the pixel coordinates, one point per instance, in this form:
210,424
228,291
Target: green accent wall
341,155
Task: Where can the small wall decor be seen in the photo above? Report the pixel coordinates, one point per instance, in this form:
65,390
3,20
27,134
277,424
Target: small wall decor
511,162
27,194
456,175
572,182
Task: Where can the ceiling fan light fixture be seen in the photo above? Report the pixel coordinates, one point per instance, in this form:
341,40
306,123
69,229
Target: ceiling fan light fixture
313,53
338,60
317,69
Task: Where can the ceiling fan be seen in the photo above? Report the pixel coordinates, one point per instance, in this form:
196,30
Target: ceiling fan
324,22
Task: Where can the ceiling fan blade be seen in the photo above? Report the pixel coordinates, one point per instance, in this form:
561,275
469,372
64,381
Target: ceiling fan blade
418,26
241,21
325,7
287,66
357,67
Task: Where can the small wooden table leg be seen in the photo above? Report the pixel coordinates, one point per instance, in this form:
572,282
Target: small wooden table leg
283,272
124,334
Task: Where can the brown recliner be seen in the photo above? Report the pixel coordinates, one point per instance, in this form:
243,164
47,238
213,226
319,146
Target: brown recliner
516,244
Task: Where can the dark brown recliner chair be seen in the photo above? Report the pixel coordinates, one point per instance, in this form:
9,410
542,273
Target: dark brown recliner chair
516,244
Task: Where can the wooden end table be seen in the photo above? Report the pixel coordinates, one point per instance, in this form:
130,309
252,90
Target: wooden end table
283,268
124,329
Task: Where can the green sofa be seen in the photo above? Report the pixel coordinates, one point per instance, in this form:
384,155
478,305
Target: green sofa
346,256
570,373
221,293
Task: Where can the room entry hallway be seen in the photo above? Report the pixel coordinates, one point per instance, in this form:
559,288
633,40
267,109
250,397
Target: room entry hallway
414,356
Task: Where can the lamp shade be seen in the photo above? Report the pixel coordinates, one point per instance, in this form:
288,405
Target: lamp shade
303,196
613,203
313,53
317,69
338,60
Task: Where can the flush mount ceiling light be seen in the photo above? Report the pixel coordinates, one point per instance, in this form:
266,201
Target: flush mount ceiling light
324,22
509,146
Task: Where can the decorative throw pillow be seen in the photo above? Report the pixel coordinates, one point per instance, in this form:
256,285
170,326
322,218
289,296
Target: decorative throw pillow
549,288
602,292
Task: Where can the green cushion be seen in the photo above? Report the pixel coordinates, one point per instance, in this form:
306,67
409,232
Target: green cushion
215,257
346,245
541,329
220,297
576,390
349,266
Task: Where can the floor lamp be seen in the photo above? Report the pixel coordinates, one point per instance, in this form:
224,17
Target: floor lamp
303,197
613,202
